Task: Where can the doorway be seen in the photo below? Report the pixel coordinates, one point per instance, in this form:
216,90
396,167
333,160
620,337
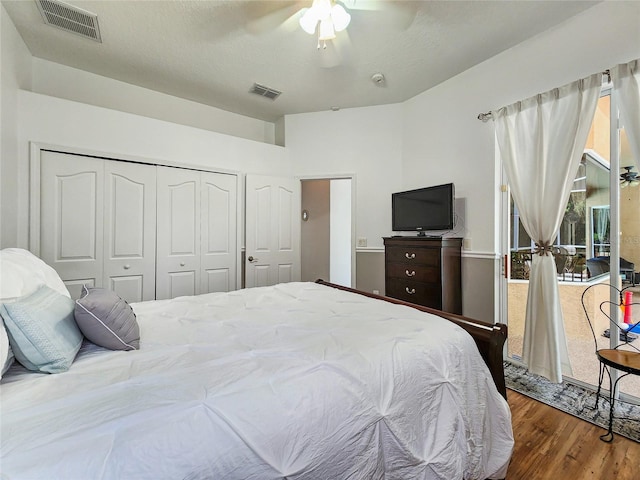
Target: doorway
326,233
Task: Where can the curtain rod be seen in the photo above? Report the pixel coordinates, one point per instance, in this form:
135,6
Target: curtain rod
485,117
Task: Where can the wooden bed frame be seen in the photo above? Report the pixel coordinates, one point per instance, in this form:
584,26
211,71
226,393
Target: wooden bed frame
489,337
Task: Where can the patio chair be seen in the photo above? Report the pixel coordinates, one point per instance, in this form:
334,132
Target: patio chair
562,259
625,357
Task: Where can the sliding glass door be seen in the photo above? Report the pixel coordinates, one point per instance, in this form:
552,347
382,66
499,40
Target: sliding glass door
585,250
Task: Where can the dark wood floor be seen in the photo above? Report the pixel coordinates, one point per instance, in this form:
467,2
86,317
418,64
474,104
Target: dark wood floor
550,444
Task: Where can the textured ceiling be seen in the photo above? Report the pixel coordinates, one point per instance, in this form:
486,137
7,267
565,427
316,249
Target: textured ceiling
213,51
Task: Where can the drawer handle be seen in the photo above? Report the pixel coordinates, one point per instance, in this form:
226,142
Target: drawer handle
410,273
410,255
410,291
182,264
127,266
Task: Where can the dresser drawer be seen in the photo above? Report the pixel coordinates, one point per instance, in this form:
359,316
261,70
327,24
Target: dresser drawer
410,254
415,272
415,292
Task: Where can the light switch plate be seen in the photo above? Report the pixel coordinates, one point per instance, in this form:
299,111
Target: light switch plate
362,241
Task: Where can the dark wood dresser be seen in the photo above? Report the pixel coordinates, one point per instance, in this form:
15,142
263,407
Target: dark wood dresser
425,270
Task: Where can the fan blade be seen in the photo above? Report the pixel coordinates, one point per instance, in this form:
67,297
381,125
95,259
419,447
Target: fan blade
268,16
398,13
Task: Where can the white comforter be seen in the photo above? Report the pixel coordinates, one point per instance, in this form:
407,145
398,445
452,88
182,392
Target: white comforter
296,381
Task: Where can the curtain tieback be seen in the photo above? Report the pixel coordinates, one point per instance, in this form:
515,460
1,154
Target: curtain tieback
542,249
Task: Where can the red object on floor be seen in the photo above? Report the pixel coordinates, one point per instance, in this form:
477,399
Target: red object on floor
628,300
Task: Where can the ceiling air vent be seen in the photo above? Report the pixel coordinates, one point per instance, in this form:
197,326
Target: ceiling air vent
264,91
70,18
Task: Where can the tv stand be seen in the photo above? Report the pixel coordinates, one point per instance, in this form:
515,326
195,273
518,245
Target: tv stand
425,270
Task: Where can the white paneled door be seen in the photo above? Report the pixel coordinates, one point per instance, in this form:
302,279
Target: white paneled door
197,239
97,223
218,248
71,218
178,263
272,230
130,230
144,231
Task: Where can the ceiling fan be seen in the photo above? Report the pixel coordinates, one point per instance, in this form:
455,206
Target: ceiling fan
328,20
629,177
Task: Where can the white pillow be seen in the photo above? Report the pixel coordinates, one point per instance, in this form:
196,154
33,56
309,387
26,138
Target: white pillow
6,355
22,273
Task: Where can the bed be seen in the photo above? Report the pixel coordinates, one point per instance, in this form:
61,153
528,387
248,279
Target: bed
292,381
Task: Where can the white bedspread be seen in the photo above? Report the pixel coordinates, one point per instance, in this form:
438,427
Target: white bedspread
296,381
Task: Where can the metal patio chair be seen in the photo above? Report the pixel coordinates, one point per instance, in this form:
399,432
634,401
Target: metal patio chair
625,357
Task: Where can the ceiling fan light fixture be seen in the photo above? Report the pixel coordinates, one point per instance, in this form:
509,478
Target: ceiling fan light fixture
309,20
326,30
331,17
322,7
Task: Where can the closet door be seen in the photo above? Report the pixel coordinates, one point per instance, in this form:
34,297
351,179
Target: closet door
71,218
130,230
218,232
178,232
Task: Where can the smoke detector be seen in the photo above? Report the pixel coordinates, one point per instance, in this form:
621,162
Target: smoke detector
378,79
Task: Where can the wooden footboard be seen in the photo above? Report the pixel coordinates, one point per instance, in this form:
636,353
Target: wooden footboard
489,337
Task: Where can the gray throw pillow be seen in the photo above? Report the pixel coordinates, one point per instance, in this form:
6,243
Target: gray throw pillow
107,320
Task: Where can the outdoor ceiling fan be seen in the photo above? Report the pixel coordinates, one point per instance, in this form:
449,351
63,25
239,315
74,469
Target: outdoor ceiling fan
629,177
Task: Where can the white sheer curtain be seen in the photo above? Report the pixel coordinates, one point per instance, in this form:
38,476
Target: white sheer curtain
602,219
626,82
541,140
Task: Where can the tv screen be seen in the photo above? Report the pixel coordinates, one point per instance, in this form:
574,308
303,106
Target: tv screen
430,208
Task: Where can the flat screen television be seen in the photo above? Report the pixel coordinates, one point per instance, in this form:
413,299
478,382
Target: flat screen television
424,209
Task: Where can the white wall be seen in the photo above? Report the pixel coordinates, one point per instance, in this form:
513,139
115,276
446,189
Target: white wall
15,71
444,141
429,139
435,137
137,123
364,141
61,81
50,120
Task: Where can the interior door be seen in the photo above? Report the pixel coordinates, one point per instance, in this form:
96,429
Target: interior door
272,230
71,218
178,232
218,250
130,230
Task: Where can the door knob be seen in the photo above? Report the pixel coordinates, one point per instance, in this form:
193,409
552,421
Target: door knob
252,259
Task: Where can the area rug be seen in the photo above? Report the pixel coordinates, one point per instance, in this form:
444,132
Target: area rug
575,400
